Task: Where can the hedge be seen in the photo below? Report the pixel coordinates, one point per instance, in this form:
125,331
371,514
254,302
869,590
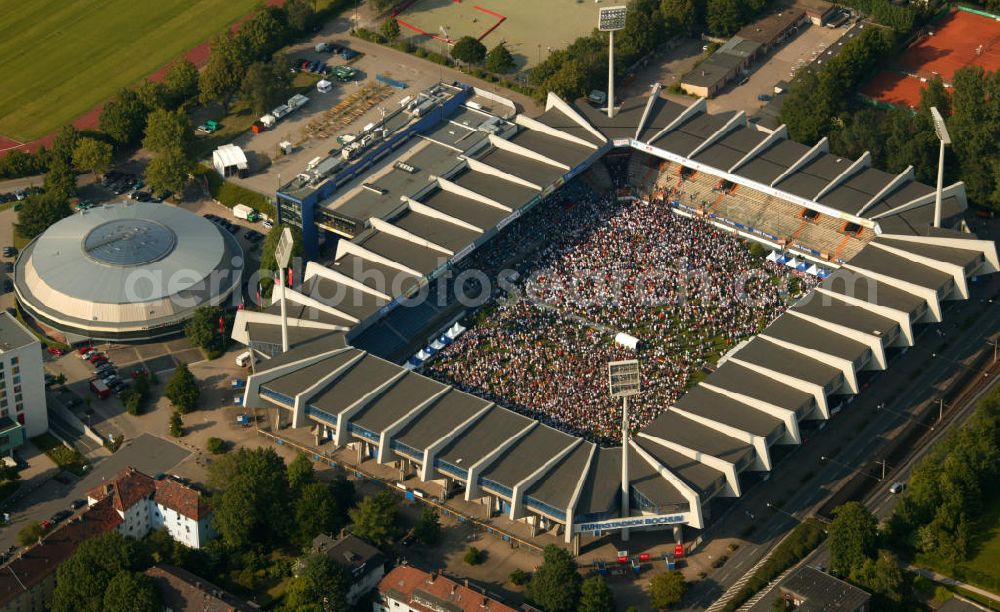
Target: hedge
230,194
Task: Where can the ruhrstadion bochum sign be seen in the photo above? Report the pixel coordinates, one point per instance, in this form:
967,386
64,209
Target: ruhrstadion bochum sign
636,521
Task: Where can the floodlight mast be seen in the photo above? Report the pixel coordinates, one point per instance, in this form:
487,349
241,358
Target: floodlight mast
282,253
611,19
623,380
941,129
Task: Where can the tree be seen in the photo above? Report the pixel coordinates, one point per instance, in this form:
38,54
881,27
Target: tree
92,154
935,95
168,172
124,118
203,328
60,177
265,86
264,33
644,30
223,73
680,16
81,580
853,536
428,527
301,16
182,82
316,511
555,586
133,402
176,423
499,59
375,518
154,95
595,596
667,589
322,585
30,533
390,29
216,446
250,502
473,556
40,211
724,17
300,472
883,577
469,50
131,592
168,132
182,389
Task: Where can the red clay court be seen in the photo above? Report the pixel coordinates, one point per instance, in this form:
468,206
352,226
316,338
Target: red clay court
962,38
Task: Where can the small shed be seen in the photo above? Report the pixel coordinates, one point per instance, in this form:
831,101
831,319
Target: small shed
229,160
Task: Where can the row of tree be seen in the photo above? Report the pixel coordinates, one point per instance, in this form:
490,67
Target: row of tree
856,555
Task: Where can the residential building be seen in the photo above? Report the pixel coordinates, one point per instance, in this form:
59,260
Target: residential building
27,582
145,504
182,591
365,562
11,436
811,590
408,589
22,380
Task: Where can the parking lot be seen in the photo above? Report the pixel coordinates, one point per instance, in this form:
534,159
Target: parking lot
778,66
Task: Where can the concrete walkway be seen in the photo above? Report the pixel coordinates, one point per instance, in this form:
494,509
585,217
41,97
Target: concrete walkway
949,581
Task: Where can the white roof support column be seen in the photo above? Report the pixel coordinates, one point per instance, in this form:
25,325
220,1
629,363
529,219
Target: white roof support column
737,120
402,234
302,398
903,177
844,365
472,484
698,106
538,126
899,316
823,146
873,341
299,298
956,271
516,149
245,317
348,247
804,385
315,269
929,295
386,454
577,491
781,133
763,455
430,453
721,465
427,211
479,166
455,188
696,519
517,497
787,417
865,161
554,101
342,435
654,95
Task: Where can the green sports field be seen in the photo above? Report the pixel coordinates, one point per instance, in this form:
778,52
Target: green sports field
60,58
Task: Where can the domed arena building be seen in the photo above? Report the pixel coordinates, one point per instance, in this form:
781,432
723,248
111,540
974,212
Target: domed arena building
130,271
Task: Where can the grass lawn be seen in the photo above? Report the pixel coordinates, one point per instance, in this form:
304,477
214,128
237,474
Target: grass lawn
59,59
983,566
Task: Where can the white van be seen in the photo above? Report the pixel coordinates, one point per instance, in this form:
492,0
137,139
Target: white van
243,359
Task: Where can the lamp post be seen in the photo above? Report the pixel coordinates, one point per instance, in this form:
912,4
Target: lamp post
623,382
610,19
942,133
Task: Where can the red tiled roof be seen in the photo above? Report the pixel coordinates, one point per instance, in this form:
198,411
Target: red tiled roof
41,560
427,592
181,498
129,488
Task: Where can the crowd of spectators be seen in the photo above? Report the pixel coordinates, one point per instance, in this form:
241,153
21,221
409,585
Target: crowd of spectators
598,265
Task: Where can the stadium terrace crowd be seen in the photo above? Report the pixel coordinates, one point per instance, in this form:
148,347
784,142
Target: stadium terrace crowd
598,265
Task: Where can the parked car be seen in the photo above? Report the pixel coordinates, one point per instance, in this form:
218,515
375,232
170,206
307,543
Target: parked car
141,196
87,354
764,98
268,223
60,516
97,357
9,251
56,351
78,503
46,525
897,488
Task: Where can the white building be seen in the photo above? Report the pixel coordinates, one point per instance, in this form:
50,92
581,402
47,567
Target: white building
146,504
22,380
230,160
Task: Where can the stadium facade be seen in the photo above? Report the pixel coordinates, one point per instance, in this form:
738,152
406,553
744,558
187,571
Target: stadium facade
417,207
129,271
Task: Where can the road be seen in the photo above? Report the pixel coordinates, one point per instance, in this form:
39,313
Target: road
801,482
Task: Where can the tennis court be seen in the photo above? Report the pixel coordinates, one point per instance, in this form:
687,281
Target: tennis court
962,38
531,29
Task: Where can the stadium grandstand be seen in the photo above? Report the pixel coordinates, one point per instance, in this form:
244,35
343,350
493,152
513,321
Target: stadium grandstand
463,184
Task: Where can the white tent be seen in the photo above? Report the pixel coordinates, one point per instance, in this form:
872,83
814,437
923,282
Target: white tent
772,256
630,342
230,160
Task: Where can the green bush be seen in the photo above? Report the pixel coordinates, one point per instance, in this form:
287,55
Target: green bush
518,577
216,446
473,556
68,459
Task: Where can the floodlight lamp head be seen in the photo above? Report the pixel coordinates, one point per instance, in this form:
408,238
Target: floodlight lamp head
283,252
611,18
940,127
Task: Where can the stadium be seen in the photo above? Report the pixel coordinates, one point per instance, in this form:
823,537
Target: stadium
741,353
129,271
